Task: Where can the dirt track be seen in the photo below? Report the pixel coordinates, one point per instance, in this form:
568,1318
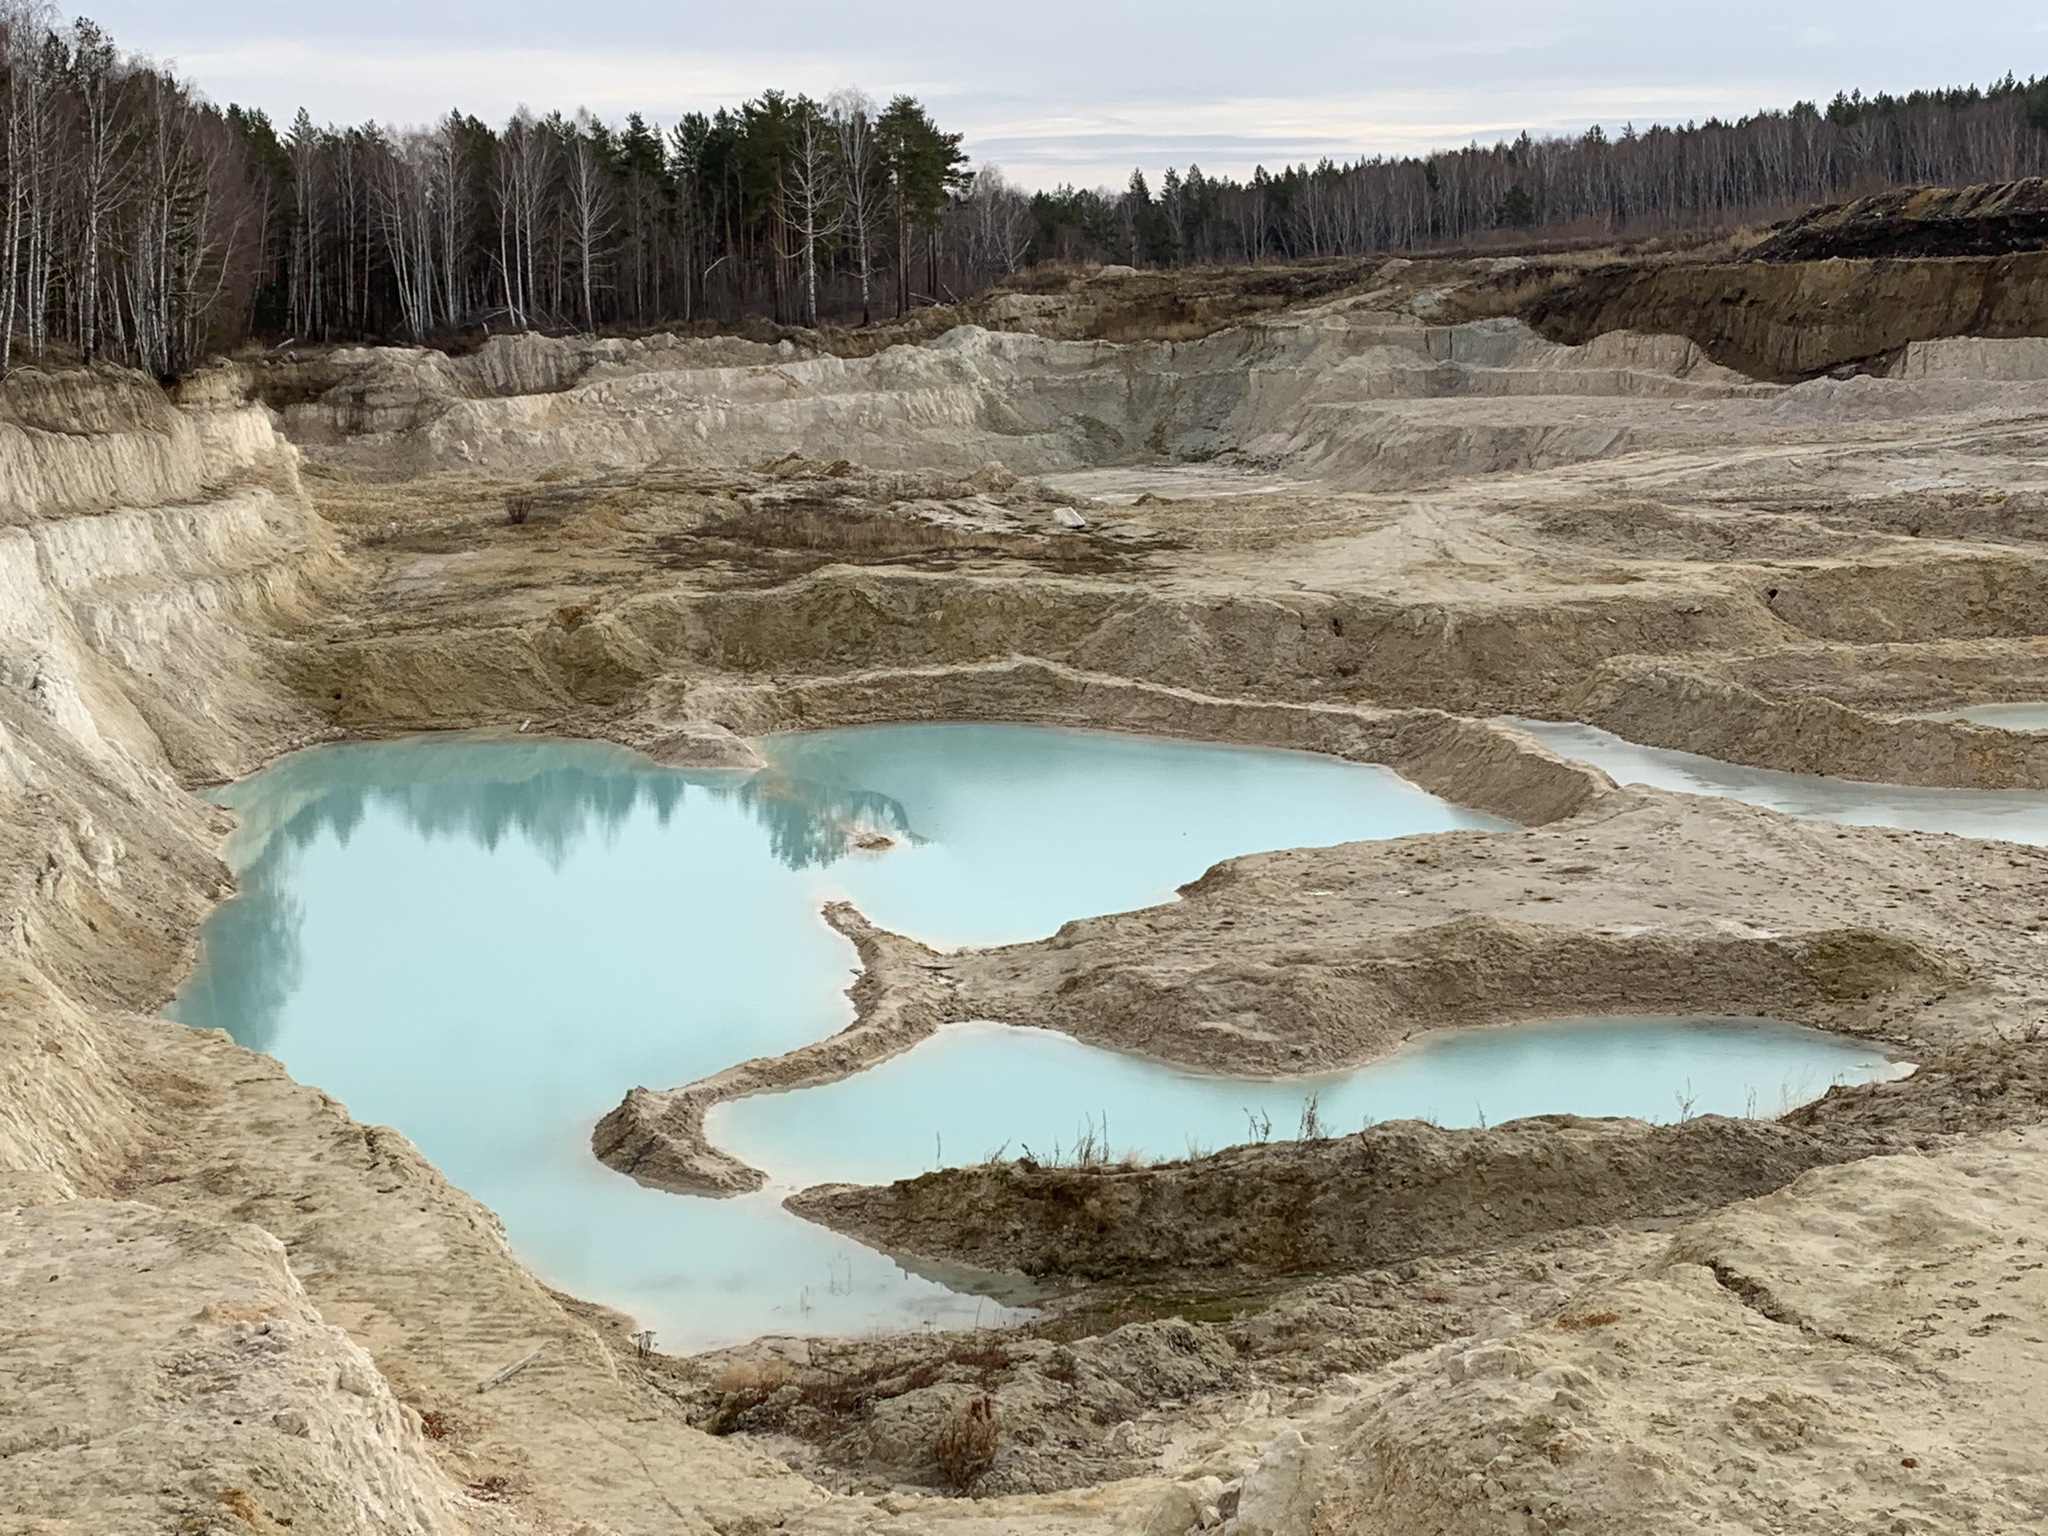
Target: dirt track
1355,527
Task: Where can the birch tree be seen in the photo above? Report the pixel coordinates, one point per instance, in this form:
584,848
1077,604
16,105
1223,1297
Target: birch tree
863,183
522,175
816,197
588,196
309,208
1001,230
27,37
97,84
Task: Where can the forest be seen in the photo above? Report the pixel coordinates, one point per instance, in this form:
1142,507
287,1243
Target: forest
142,223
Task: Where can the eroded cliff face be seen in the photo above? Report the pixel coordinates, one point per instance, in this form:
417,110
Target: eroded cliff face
1849,1348
1785,320
1323,390
147,549
177,1294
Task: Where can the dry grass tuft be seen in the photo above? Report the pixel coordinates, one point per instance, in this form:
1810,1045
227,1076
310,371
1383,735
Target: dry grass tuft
965,1444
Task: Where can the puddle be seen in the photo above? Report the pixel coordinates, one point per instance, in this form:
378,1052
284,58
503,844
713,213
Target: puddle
485,942
975,1089
2007,717
1170,482
2013,815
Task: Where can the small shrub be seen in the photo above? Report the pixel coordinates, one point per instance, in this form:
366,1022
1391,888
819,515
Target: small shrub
965,1444
834,1397
240,1505
436,1424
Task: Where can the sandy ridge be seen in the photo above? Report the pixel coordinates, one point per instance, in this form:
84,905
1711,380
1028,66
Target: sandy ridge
900,998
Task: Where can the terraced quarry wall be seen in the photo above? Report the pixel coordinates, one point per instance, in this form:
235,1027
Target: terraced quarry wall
1353,527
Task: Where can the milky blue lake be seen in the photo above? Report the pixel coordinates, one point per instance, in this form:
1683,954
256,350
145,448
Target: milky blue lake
484,941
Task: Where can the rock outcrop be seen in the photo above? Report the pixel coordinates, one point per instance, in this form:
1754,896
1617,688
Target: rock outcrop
1794,318
168,1372
1862,1348
1372,1200
1995,219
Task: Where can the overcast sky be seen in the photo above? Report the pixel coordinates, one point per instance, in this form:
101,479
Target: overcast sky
1082,90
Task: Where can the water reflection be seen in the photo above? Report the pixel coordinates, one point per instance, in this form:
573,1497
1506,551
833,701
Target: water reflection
975,1090
485,788
552,793
261,924
485,941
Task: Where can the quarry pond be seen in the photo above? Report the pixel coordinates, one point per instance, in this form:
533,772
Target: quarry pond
2011,815
484,940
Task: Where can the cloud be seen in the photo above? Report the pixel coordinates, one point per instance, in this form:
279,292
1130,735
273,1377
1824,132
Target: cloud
385,83
1083,91
1232,136
1038,141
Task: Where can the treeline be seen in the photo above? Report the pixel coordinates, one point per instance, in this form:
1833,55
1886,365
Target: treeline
1658,180
787,207
124,221
142,223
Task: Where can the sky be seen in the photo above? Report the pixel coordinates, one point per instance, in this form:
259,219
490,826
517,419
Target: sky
1082,91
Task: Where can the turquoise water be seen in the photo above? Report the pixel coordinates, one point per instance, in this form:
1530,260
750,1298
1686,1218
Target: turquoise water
974,1090
2013,815
485,942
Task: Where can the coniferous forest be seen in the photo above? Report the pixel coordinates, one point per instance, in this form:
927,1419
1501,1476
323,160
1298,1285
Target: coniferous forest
142,223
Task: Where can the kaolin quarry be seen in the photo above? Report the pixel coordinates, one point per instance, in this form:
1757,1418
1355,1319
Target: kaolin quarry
1440,526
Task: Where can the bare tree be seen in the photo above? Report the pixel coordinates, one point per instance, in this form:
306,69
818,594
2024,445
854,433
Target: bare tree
351,177
864,183
304,148
167,245
588,196
1001,231
406,214
98,84
449,191
26,35
816,197
522,174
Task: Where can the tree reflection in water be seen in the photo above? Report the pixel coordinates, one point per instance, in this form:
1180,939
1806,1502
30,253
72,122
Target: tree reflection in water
553,794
